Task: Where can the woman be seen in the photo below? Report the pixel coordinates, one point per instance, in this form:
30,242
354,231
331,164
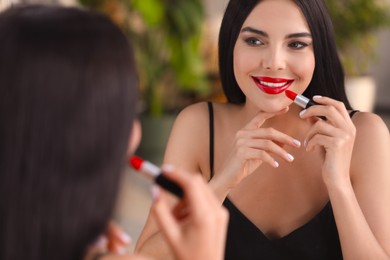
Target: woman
296,186
67,106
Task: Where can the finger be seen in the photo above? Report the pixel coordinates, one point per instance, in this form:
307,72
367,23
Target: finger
270,134
180,210
336,135
319,140
99,247
323,128
198,196
340,106
332,115
269,146
261,117
117,233
181,177
164,218
262,157
203,202
117,238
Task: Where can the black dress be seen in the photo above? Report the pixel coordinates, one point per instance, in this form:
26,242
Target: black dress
317,239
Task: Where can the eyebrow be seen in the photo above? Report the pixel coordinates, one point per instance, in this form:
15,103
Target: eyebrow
262,33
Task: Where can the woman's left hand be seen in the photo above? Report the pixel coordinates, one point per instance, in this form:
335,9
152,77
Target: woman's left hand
114,241
336,135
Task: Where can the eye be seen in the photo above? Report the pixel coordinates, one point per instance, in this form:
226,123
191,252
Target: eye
298,45
253,41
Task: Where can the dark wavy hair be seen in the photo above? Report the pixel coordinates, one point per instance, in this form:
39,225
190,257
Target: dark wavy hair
68,90
328,77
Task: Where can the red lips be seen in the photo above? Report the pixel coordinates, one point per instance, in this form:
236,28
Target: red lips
272,85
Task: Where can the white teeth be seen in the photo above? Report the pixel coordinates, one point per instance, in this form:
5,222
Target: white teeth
273,85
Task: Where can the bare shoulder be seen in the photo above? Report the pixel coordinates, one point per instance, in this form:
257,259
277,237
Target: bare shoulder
189,138
192,120
372,143
370,126
196,117
193,114
188,145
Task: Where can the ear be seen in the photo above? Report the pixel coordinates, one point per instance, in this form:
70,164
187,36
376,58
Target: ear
135,137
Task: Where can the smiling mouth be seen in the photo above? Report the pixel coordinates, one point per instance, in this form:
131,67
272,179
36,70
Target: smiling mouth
272,85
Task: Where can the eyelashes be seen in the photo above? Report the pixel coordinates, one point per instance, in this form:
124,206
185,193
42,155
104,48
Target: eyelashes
255,42
252,41
298,45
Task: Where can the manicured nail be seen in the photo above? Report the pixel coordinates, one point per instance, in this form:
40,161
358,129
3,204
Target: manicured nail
317,97
302,112
296,142
167,168
125,237
155,192
290,157
276,164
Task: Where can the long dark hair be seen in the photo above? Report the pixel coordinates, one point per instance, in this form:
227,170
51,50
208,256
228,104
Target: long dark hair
67,103
328,77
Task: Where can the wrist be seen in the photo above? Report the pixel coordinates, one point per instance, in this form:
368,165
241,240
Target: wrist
339,188
220,187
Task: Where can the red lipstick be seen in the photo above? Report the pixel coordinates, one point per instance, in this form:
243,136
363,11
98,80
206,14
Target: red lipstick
300,100
152,171
272,85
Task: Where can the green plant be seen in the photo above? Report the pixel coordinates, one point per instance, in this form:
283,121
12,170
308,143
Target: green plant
166,35
355,23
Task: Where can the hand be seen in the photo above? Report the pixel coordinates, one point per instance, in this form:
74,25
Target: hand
115,241
196,227
336,136
254,145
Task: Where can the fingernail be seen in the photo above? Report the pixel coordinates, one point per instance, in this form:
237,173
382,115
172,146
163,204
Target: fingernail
302,112
276,164
155,192
166,168
296,142
125,237
290,157
317,97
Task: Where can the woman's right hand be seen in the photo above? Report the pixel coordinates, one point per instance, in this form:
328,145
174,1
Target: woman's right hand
254,145
196,227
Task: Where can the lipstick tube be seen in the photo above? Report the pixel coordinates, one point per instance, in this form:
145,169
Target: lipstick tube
153,172
302,101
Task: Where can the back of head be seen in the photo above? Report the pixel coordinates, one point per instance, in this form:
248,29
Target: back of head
328,77
67,103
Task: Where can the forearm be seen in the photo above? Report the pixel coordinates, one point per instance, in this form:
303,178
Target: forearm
155,247
356,238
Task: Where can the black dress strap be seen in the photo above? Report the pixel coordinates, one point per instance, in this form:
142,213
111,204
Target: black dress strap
211,140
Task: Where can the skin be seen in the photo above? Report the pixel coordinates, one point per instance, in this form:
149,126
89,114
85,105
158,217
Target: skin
184,233
341,160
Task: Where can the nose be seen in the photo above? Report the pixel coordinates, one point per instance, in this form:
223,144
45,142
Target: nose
274,59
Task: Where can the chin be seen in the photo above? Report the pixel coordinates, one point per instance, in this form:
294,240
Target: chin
273,107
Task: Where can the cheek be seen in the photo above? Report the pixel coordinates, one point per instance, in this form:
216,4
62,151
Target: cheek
244,62
305,69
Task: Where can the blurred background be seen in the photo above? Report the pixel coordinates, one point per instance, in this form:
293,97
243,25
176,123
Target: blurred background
176,54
